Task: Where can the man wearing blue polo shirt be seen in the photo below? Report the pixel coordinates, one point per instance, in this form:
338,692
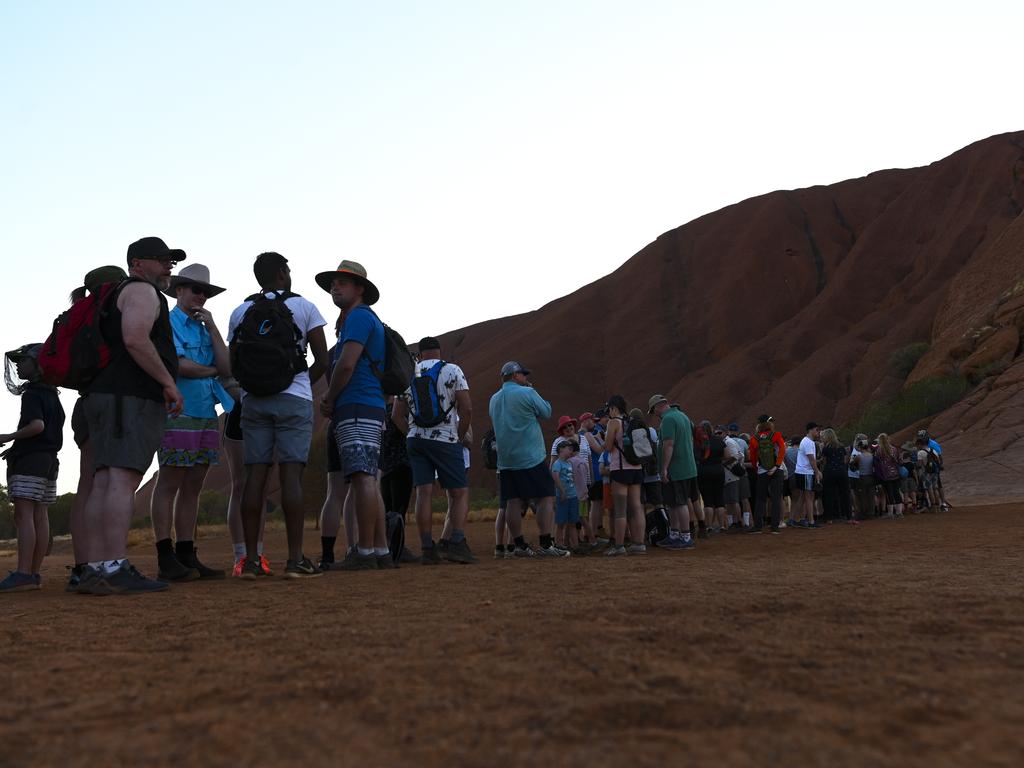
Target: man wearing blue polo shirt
515,411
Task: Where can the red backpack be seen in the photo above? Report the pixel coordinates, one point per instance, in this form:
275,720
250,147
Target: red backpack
76,351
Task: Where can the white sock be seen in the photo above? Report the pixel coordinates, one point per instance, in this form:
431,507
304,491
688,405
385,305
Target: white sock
111,566
259,548
365,552
97,564
381,551
686,536
729,519
746,518
239,551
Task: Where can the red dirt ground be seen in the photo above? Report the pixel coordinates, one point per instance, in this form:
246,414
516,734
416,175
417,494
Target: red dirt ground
895,643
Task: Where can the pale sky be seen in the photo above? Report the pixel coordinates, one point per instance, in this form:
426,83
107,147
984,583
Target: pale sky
479,158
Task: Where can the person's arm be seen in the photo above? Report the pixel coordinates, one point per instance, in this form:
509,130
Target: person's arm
318,344
540,405
780,453
190,369
596,445
221,358
33,428
558,482
400,415
139,310
464,407
812,459
668,447
343,370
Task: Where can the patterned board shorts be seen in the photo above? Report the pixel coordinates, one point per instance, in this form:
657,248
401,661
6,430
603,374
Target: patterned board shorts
33,478
357,433
189,442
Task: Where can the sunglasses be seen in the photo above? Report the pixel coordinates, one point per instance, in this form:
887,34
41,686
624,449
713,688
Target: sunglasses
198,290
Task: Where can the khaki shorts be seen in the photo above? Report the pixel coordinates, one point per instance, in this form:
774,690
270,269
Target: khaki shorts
130,442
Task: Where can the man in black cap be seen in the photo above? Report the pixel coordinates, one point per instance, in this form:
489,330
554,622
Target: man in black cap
127,411
434,413
806,476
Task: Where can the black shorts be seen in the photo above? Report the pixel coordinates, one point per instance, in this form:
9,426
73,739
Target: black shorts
595,491
693,488
333,457
233,423
533,483
650,493
675,492
627,476
79,424
712,489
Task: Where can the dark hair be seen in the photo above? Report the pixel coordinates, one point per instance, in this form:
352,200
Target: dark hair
618,401
267,267
78,294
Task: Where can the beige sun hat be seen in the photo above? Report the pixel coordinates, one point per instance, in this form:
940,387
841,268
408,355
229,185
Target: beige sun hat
194,274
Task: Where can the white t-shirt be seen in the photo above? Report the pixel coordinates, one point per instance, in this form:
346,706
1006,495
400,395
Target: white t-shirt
807,448
850,471
450,380
733,450
307,317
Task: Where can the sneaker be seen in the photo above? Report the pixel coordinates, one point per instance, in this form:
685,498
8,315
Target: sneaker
265,566
386,562
781,525
355,562
236,569
17,581
127,580
703,533
615,550
247,568
442,546
170,568
302,568
560,548
325,565
552,551
499,552
74,578
776,531
601,541
458,552
408,556
431,556
637,549
686,544
205,572
524,551
582,550
752,529
90,579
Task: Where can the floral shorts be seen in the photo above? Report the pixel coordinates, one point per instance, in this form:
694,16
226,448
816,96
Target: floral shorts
189,442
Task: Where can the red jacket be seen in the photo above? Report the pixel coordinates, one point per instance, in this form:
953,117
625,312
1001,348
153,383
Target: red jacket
780,447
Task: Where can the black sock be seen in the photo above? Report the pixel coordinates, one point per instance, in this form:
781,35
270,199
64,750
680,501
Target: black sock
327,547
165,547
520,542
545,540
701,524
184,550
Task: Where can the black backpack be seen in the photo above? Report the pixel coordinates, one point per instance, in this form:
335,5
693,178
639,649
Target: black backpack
395,526
657,525
489,448
266,349
399,366
636,443
426,409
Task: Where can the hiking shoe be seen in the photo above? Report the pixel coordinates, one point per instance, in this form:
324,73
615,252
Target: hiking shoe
386,562
601,541
205,572
92,579
776,531
247,568
458,552
127,580
552,551
325,565
615,550
703,533
442,546
499,552
753,530
582,550
17,581
302,568
265,566
667,543
170,568
430,556
524,551
355,562
408,556
637,549
74,578
686,544
559,547
781,525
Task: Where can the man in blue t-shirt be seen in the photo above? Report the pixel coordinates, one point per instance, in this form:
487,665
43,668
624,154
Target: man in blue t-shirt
355,404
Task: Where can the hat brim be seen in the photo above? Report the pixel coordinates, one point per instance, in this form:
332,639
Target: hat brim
371,295
176,280
652,406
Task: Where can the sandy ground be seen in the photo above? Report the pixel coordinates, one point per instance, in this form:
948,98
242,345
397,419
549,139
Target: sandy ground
896,643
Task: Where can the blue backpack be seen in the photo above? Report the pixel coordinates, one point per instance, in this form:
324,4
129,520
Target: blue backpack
427,410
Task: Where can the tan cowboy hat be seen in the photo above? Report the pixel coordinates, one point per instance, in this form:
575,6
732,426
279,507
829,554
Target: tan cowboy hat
194,274
354,270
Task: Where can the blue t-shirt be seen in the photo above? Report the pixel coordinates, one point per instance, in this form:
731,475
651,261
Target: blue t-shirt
361,325
564,469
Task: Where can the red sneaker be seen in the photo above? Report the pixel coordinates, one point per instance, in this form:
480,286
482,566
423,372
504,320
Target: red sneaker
265,566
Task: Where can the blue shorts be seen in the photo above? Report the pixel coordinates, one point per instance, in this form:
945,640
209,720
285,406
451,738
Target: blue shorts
804,482
427,457
567,511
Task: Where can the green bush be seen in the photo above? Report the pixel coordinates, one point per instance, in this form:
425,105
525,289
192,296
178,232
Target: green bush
918,401
903,360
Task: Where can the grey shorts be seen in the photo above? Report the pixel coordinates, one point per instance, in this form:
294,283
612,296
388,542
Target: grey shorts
134,445
731,494
744,490
277,429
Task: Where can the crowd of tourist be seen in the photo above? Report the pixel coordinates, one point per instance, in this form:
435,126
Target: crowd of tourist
151,378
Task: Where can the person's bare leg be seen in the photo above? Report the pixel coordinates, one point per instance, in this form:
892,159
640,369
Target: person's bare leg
380,535
545,515
638,522
109,511
424,516
348,513
620,501
79,543
161,505
290,474
514,517
499,528
253,504
186,506
334,503
364,488
25,523
233,454
42,526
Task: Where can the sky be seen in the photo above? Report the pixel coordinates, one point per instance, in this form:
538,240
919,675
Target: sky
480,159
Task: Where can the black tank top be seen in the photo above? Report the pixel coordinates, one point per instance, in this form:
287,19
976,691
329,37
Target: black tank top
123,376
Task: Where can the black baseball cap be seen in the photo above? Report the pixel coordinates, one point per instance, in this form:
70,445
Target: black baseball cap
153,248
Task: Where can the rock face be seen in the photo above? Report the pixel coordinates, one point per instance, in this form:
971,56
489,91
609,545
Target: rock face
792,303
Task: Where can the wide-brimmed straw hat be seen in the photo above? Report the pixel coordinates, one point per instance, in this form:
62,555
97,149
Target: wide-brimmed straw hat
194,274
355,270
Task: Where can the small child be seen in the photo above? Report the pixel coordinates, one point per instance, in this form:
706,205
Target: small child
580,478
31,464
567,503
